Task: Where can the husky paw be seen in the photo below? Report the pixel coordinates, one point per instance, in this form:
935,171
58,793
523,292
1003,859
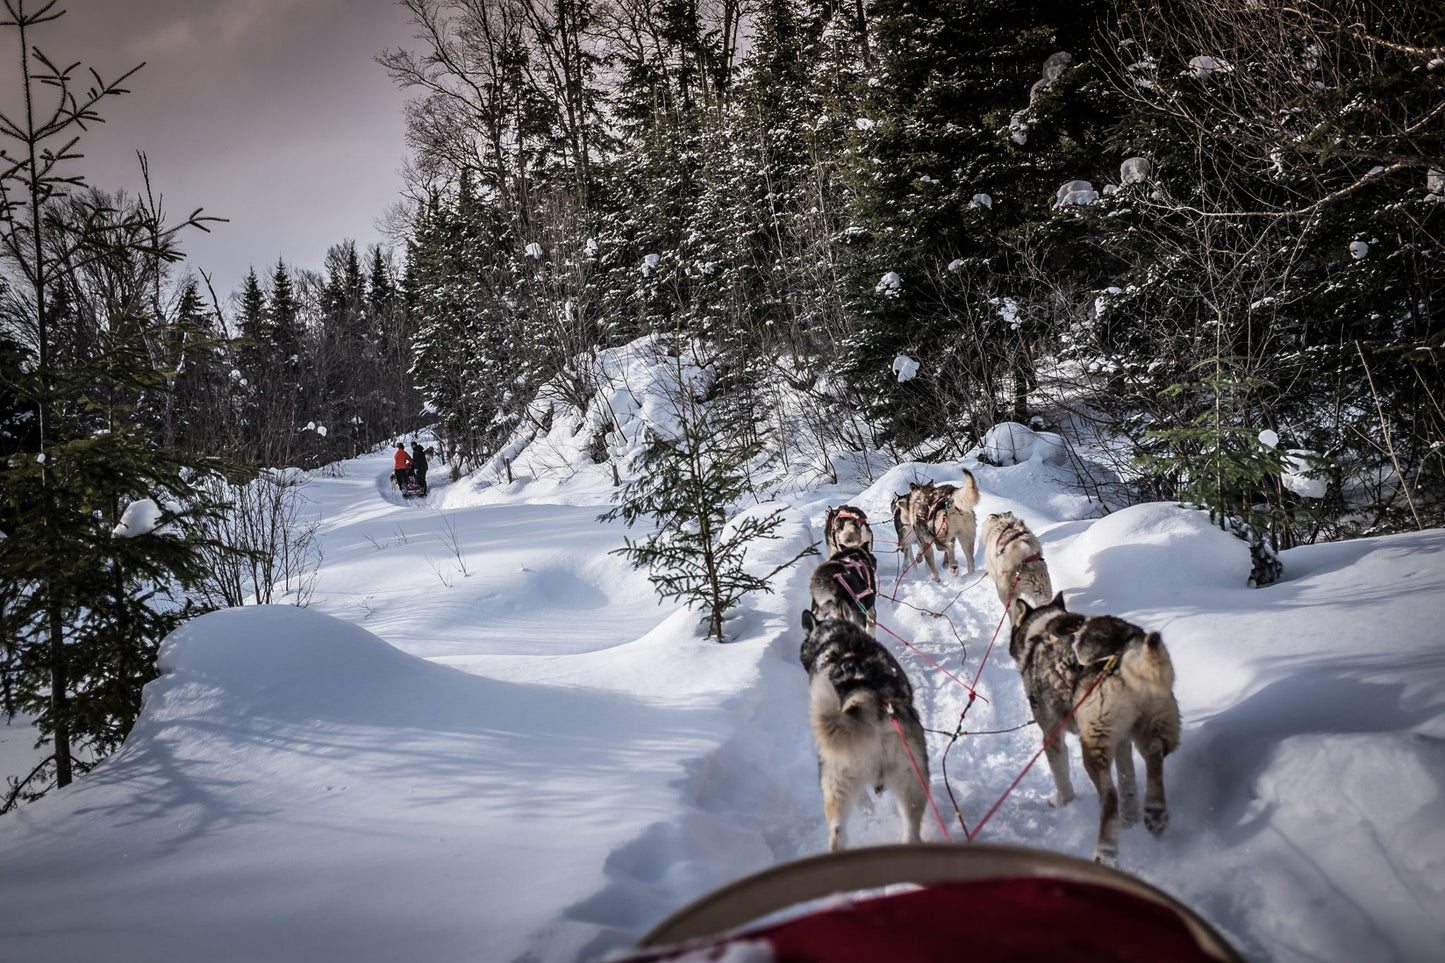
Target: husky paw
1156,818
1060,799
1106,855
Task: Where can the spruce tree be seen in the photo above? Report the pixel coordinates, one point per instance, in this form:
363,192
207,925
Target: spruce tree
691,474
82,613
948,188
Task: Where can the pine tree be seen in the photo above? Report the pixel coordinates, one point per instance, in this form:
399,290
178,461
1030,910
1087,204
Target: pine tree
81,617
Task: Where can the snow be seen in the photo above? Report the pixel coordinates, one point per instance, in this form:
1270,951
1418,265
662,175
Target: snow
981,200
1204,67
1135,170
1297,477
889,285
905,367
486,740
139,518
1008,310
1359,250
533,249
1010,443
1076,192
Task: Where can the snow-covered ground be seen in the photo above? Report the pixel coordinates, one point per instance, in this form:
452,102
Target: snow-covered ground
486,740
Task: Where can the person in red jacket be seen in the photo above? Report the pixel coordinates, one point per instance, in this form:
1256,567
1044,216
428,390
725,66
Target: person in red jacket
401,461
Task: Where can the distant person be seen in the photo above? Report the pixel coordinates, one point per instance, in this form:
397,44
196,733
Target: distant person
401,462
418,465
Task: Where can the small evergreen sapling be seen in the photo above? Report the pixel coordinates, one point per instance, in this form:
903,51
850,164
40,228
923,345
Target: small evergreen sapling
685,484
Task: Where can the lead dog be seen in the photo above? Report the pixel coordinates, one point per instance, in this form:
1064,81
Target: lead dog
846,587
856,691
1122,681
943,514
847,527
1014,560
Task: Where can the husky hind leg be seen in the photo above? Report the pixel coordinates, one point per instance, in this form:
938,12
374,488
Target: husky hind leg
911,803
1128,785
839,792
1154,744
907,783
1058,757
1098,750
966,526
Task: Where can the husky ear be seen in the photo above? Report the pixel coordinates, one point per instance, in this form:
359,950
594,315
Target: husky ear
1152,640
808,621
1020,612
1057,602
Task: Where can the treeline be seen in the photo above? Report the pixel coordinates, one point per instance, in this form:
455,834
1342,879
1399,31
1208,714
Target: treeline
1173,225
318,366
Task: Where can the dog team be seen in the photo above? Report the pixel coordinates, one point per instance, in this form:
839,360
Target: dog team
1105,680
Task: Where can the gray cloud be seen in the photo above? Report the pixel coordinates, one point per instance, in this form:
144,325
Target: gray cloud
272,113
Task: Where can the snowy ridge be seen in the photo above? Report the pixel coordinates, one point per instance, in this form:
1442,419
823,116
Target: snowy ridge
486,740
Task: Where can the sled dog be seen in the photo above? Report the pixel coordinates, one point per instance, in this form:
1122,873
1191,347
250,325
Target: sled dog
856,691
899,507
943,514
847,527
1013,558
846,587
1060,656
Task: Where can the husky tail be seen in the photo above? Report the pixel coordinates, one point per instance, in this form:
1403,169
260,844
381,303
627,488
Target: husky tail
965,493
1146,663
840,722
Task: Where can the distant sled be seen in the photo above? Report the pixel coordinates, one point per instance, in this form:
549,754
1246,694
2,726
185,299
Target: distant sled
411,489
978,902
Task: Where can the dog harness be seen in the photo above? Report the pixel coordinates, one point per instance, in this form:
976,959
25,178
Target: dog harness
1010,535
869,580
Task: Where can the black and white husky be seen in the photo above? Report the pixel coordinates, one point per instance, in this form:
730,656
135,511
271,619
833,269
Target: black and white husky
846,587
860,707
847,527
1125,679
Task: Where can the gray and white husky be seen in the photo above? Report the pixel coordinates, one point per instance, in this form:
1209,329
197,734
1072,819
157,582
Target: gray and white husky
856,692
1062,656
847,527
846,587
941,515
1014,560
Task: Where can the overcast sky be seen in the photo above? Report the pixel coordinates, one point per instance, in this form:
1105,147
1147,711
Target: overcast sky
272,113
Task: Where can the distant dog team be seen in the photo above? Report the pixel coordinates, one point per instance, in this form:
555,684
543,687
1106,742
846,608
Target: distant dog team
1107,681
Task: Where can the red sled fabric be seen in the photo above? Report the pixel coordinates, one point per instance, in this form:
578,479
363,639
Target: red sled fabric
980,921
